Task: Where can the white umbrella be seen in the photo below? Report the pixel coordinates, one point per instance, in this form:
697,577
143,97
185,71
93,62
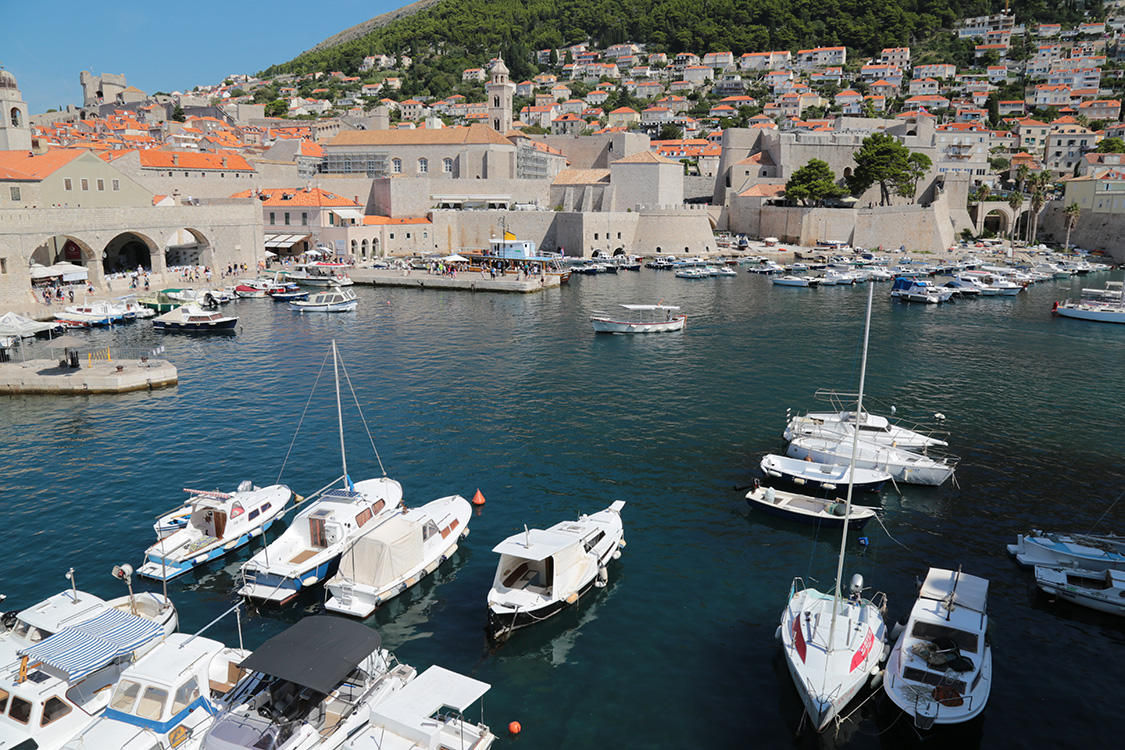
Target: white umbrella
316,253
271,254
455,258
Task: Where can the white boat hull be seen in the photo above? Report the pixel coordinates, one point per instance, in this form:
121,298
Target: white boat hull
1097,312
1103,591
1069,551
904,466
607,325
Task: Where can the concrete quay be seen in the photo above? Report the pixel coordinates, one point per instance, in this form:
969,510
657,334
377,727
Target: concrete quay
45,376
464,281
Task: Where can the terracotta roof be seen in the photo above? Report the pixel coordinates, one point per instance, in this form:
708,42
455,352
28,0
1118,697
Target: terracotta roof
644,157
154,158
316,197
384,220
38,166
763,191
475,133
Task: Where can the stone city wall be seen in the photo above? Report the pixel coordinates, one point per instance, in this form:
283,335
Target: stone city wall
1104,232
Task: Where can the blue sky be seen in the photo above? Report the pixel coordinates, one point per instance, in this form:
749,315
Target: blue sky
161,47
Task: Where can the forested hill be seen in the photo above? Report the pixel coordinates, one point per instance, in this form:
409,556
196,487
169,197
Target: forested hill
458,33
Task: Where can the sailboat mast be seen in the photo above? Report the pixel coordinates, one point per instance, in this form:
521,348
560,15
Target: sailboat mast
851,464
340,416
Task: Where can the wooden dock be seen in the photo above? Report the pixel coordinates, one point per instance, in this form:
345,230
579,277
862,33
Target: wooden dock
467,281
45,376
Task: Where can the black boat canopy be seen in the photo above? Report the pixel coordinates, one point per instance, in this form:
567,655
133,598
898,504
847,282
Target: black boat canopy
317,652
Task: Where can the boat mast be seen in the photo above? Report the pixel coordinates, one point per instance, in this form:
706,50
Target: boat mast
851,467
340,417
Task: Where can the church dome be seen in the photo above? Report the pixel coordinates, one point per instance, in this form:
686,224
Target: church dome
7,80
500,69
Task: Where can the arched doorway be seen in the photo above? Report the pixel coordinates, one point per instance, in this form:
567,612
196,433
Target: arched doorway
996,222
128,251
355,250
375,248
363,249
185,247
62,249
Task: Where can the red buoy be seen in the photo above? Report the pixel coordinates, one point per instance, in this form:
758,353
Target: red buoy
478,499
514,727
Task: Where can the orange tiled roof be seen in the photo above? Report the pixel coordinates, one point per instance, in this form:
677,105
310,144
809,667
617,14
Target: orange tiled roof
387,220
154,158
38,166
315,197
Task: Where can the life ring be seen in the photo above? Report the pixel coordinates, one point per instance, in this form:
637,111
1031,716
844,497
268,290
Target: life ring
947,696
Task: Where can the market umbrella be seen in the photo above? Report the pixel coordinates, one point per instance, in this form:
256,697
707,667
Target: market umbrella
66,342
455,258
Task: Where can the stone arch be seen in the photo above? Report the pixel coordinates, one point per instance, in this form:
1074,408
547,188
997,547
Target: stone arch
64,248
363,248
355,249
375,248
996,221
618,252
15,118
127,251
847,172
184,247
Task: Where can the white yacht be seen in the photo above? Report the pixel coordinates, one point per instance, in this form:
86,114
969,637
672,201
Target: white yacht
872,428
940,669
903,465
1082,551
541,572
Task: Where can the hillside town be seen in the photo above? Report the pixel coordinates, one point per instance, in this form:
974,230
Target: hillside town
605,150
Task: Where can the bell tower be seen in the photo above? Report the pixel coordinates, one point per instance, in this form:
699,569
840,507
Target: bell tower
15,131
501,92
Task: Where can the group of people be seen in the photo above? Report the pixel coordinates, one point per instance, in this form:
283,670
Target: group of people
58,291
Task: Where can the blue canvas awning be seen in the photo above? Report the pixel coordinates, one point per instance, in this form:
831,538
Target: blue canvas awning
79,650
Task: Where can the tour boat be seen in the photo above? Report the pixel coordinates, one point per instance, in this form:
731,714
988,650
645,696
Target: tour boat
831,477
309,550
219,523
167,699
834,644
396,554
1103,590
872,428
1085,551
191,318
334,300
543,571
692,272
319,274
313,685
640,319
827,513
940,669
902,465
1096,310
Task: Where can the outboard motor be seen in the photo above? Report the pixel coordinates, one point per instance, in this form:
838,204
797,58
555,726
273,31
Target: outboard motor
209,302
856,587
245,485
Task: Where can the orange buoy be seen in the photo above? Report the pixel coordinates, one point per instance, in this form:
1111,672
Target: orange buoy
478,499
514,727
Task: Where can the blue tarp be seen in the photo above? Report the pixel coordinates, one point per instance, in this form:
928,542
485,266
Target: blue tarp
79,650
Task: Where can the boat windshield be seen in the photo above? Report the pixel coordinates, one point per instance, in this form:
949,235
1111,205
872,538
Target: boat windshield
934,632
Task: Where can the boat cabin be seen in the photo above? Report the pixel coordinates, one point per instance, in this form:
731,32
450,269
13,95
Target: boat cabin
542,563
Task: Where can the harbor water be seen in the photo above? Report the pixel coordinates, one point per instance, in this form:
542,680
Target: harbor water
515,395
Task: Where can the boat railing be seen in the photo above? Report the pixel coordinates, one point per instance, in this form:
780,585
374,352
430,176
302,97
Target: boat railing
936,689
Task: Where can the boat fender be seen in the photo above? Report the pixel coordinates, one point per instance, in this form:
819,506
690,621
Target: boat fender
876,678
621,544
828,486
798,480
777,633
309,580
617,555
899,626
839,509
572,598
603,577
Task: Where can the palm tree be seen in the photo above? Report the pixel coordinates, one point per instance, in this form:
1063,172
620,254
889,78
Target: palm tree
1039,185
1071,213
1022,173
1015,201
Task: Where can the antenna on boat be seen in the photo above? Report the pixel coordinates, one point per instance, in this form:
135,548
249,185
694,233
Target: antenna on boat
340,417
851,467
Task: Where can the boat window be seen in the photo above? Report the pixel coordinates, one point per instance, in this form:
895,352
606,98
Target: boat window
928,631
236,510
363,517
3,700
377,508
151,705
316,533
253,514
429,530
185,696
125,696
20,710
265,507
593,542
55,708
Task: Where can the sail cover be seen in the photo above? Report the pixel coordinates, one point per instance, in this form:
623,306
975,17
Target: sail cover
384,554
81,649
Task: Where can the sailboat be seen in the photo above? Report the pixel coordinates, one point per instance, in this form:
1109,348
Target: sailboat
309,550
833,645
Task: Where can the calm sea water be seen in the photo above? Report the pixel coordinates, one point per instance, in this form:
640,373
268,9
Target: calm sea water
516,396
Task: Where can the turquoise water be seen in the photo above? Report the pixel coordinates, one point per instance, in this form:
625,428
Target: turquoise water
516,395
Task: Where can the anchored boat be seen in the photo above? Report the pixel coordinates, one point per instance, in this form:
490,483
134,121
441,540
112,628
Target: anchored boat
640,319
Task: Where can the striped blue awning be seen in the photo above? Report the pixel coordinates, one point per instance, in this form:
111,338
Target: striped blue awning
79,650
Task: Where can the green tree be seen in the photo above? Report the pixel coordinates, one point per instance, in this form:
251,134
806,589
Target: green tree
669,132
178,114
1015,202
1040,184
1023,172
276,108
1111,146
993,110
1071,214
883,160
813,184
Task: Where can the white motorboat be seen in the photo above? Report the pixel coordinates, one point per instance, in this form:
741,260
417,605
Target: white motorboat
831,477
396,554
427,714
902,465
726,271
766,267
312,686
872,428
309,550
640,319
1084,551
193,319
940,669
134,309
1103,590
333,300
167,699
798,281
834,644
692,272
83,319
1095,310
252,288
541,572
915,290
835,277
62,683
319,274
219,523
97,311
827,513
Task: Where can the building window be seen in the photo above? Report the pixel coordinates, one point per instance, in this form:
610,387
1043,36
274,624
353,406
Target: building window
304,219
67,184
595,235
15,194
3,265
115,184
85,184
392,235
396,166
447,165
286,218
273,218
101,185
423,166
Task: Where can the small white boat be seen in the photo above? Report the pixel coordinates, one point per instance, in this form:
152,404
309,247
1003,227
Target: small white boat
825,512
334,300
395,555
252,288
940,669
541,572
766,267
1085,551
1095,310
1103,590
903,465
97,311
219,523
798,281
191,318
640,319
915,290
831,477
133,308
726,271
692,272
167,699
872,428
